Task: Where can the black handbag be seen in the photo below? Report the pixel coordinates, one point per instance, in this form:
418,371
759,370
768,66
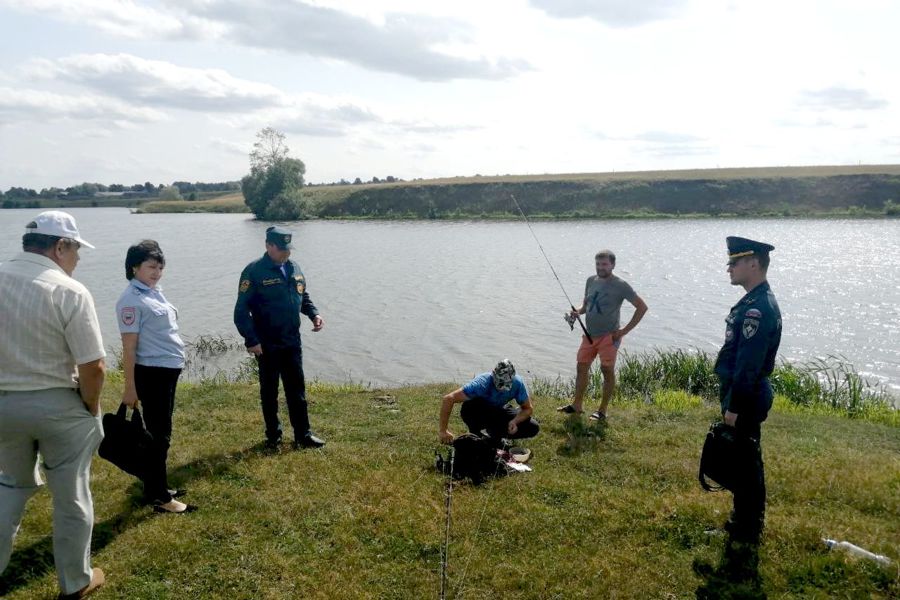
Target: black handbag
721,451
126,442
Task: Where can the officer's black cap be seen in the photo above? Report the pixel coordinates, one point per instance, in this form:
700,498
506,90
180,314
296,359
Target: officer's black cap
738,247
279,236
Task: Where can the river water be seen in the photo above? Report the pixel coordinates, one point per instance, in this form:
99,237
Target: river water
419,301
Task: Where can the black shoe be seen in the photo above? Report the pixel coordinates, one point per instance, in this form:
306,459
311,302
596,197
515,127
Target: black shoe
272,444
309,441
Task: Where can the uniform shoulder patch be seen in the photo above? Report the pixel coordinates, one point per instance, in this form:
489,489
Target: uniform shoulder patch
753,313
128,315
245,285
750,327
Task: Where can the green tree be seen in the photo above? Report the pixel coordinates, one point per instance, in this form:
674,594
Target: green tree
170,192
286,207
891,208
273,175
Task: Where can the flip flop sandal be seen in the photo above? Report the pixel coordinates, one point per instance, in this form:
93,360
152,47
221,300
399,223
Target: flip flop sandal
597,416
568,409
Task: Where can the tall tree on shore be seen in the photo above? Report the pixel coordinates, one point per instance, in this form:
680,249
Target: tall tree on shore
272,188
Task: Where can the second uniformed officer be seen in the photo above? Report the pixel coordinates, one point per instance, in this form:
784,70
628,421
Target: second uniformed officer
752,336
271,297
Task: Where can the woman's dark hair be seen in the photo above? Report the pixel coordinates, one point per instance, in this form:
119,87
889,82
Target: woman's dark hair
142,251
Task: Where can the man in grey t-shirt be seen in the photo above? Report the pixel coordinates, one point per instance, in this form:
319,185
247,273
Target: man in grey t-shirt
603,297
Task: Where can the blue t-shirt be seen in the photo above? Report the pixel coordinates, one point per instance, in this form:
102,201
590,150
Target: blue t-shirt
483,387
145,311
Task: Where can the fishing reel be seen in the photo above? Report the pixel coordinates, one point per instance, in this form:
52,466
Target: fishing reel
443,463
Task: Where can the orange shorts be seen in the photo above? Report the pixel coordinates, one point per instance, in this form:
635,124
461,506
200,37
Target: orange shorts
603,347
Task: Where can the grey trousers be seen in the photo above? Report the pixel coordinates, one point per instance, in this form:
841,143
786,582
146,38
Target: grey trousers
55,423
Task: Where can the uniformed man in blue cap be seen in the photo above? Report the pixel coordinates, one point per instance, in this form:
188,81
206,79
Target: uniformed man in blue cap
752,336
271,297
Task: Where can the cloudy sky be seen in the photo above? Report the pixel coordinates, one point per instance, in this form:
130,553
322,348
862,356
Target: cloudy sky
124,91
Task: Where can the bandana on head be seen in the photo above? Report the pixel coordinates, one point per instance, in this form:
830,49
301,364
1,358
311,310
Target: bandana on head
503,375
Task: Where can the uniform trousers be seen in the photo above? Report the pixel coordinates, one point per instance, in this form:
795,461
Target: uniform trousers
748,515
56,424
156,389
285,364
478,414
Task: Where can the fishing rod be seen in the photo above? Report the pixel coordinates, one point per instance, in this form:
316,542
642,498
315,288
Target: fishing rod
571,304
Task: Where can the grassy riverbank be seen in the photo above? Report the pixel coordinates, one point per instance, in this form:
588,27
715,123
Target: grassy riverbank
840,191
228,203
607,512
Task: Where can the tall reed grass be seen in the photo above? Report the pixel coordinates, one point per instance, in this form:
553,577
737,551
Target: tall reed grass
831,382
824,383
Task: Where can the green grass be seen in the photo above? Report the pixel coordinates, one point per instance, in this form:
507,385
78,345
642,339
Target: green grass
611,511
228,203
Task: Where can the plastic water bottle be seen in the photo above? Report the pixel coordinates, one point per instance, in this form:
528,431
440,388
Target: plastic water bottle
857,551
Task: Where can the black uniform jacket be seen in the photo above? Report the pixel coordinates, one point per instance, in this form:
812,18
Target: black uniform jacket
269,304
752,336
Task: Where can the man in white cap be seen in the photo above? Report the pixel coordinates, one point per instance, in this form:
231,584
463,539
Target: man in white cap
51,374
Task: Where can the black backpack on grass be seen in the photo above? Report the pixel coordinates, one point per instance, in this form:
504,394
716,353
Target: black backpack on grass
474,457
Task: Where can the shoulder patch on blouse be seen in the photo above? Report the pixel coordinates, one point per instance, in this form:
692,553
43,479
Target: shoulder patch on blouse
245,285
128,315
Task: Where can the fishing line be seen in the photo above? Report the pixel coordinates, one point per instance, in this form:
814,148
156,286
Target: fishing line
474,535
571,304
445,555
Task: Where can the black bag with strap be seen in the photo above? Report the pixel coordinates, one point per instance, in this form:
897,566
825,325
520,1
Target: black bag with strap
126,442
721,452
474,457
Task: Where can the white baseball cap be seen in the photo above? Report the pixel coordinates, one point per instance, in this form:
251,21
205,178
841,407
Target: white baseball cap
56,223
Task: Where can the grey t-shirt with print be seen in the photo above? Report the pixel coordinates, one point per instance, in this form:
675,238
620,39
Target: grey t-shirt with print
602,300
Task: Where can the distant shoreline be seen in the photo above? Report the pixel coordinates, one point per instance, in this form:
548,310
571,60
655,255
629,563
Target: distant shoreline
866,191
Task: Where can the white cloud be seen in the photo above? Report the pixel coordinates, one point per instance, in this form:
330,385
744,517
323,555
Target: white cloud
841,98
120,17
36,105
158,83
663,144
404,44
127,80
94,133
231,146
614,13
654,137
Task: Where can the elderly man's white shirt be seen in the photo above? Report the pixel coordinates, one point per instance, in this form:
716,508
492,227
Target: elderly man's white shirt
48,325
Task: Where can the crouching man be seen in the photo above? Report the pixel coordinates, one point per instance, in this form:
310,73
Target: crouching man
484,406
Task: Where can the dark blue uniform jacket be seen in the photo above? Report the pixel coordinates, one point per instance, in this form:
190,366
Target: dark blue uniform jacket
752,336
269,304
